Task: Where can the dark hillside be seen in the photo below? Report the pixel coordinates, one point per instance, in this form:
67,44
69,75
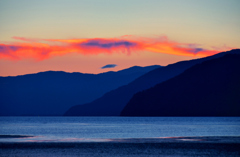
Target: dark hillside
211,88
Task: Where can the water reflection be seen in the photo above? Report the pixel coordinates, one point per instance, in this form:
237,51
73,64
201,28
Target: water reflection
115,129
39,139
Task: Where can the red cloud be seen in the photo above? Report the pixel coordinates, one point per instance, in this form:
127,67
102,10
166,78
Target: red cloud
41,49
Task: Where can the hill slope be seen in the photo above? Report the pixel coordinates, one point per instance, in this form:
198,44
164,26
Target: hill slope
211,88
113,102
51,93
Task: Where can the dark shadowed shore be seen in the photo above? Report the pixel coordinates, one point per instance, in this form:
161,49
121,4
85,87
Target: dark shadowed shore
174,146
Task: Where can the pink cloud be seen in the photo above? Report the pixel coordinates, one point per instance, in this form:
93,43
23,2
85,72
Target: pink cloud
41,49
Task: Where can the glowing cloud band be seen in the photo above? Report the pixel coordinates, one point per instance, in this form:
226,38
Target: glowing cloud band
41,49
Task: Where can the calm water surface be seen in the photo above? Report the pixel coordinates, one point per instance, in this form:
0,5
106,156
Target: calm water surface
87,129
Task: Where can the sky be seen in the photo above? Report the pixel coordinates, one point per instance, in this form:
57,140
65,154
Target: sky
95,36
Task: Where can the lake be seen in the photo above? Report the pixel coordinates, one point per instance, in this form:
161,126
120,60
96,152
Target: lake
103,128
131,134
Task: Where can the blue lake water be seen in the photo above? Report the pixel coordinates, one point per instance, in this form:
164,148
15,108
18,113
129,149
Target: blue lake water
94,129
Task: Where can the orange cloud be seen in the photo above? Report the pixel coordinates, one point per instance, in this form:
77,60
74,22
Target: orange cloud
41,49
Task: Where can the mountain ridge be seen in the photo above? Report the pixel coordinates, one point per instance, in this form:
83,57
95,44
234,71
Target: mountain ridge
113,102
211,88
60,71
51,93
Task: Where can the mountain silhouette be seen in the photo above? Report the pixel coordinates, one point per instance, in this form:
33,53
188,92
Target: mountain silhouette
51,93
211,88
113,102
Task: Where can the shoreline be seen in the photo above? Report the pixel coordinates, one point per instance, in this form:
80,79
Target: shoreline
120,149
169,147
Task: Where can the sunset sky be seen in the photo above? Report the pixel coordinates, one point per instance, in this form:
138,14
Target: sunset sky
85,35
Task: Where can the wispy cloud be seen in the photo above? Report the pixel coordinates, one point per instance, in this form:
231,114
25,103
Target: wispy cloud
41,49
109,66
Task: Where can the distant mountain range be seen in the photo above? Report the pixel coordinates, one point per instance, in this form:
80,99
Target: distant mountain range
52,93
211,88
113,102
